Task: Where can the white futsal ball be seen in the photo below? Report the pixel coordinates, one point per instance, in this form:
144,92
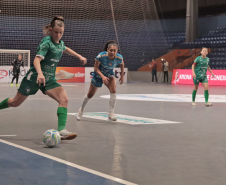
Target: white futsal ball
51,138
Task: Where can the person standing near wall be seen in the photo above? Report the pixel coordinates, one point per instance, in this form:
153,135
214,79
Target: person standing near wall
165,66
154,70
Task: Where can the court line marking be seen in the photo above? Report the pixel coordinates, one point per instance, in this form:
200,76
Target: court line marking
69,163
68,98
131,120
7,135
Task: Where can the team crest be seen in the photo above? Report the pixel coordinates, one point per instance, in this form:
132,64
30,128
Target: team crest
28,90
110,64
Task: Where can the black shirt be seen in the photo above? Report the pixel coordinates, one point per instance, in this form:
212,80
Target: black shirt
17,63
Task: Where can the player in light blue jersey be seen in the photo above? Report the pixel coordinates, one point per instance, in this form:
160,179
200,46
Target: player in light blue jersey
105,62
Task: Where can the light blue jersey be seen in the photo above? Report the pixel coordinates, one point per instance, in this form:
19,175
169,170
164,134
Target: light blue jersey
106,67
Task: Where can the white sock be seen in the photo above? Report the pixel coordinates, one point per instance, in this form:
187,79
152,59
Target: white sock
85,101
112,102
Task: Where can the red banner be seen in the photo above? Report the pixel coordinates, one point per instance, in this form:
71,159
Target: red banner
70,74
184,76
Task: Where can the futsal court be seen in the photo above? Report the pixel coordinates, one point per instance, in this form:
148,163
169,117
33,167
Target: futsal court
165,141
159,138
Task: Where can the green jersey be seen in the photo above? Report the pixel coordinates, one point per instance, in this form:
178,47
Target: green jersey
201,66
51,53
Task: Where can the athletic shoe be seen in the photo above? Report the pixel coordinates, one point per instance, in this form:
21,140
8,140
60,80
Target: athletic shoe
79,115
66,135
208,104
193,104
17,85
11,84
112,117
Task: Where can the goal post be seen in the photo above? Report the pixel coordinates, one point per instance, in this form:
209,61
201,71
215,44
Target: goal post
7,56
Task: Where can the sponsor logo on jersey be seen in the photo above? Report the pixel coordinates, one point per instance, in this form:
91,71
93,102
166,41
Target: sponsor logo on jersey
3,73
49,68
29,75
54,60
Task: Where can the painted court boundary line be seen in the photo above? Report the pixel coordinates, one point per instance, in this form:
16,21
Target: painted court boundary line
69,163
8,135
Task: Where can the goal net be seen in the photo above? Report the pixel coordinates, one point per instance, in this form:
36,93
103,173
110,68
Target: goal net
7,56
89,24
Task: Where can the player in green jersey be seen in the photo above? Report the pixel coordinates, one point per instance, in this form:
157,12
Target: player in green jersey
199,69
42,74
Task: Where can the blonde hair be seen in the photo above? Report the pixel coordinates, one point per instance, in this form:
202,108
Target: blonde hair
57,21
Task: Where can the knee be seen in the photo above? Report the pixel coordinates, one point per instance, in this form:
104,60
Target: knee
90,95
113,91
64,101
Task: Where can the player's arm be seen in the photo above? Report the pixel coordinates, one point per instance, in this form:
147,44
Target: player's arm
122,72
37,65
193,70
74,54
209,69
23,66
12,65
193,67
96,68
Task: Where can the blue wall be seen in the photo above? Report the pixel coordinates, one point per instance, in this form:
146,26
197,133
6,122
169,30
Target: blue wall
206,24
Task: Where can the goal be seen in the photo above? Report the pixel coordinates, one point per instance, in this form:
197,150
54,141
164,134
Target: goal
7,56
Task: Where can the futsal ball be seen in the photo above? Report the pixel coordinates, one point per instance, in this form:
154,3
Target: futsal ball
51,138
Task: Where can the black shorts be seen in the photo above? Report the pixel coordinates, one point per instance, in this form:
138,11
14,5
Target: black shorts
16,71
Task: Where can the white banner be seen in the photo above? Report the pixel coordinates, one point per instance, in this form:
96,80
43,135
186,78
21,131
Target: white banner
6,74
89,74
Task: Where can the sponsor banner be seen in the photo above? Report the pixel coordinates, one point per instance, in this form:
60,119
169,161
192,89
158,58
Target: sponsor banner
70,74
89,74
184,76
6,74
131,120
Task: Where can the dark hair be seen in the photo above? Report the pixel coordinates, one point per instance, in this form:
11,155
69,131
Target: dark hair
109,44
56,21
204,48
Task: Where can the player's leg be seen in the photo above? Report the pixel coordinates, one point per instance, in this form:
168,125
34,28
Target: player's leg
194,94
196,85
14,76
91,93
17,77
60,95
206,94
112,88
94,85
13,102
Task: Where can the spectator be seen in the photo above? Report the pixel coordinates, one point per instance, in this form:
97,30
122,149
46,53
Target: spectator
154,70
165,66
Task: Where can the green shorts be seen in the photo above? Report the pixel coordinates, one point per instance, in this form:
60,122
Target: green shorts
202,80
28,87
